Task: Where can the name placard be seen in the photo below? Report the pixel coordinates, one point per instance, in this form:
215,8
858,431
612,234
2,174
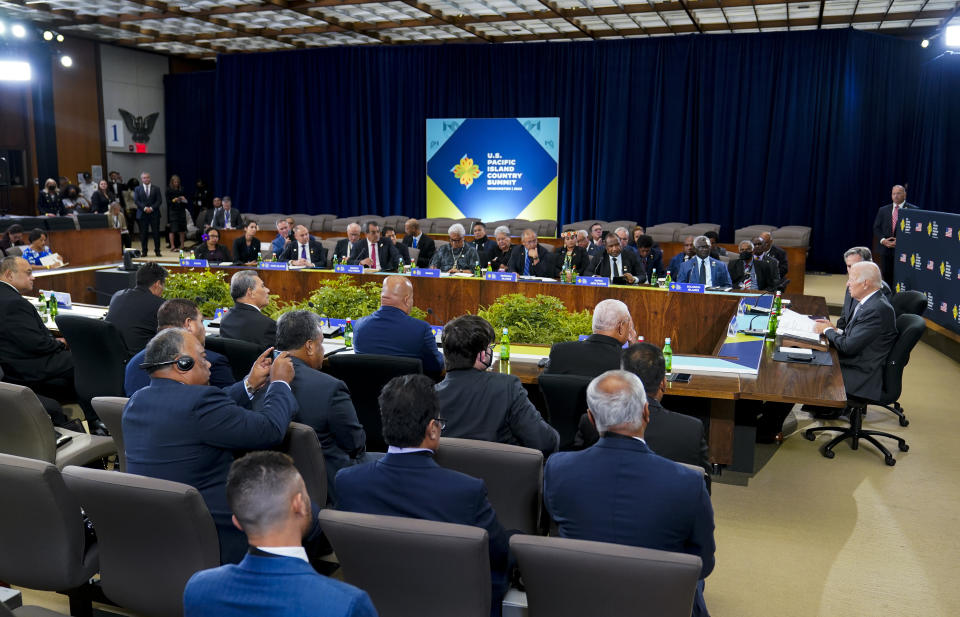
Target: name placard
330,322
193,263
432,273
593,281
500,276
437,330
346,269
690,288
63,298
272,265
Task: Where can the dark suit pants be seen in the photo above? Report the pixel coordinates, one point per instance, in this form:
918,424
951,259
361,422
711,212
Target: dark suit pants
149,223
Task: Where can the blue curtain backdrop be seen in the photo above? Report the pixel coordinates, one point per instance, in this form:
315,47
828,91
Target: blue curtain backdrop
804,128
935,152
189,102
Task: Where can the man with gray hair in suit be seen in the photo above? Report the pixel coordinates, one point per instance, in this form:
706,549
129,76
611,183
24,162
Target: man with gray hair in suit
456,256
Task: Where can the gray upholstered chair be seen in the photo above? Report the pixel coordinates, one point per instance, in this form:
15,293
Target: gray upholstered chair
26,430
441,224
572,578
110,410
792,235
153,536
546,228
665,232
303,446
513,475
612,225
750,232
695,230
411,567
340,224
414,254
321,222
396,221
29,611
578,225
42,532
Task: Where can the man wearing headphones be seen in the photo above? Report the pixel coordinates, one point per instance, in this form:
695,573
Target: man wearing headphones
180,428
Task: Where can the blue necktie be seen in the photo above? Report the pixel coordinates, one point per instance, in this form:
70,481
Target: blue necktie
414,242
526,266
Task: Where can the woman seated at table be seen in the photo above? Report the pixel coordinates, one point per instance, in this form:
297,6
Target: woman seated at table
73,202
116,220
48,203
38,249
102,197
211,249
571,254
247,247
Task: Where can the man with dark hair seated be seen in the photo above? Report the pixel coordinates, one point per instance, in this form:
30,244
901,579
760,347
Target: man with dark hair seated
408,482
270,504
246,321
650,257
479,404
134,311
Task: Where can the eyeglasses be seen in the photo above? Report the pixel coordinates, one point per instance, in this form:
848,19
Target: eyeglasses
490,348
442,422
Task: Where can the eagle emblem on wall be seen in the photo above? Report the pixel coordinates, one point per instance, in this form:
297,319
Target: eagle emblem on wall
139,127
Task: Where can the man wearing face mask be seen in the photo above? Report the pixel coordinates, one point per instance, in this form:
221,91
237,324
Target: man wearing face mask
703,269
748,272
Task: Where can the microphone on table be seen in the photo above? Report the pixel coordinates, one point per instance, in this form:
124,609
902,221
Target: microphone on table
754,310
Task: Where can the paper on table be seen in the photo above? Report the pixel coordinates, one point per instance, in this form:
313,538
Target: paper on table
798,326
51,260
799,351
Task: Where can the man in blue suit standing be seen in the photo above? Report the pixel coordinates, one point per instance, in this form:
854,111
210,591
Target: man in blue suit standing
148,199
392,332
704,269
180,428
619,491
270,503
408,482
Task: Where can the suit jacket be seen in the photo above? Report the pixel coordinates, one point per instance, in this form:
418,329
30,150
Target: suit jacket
781,256
134,313
135,378
155,200
188,434
404,251
883,224
344,248
391,332
387,255
653,261
544,267
28,352
318,253
690,272
245,323
493,407
425,245
590,357
864,345
849,304
601,266
497,258
675,263
619,491
220,218
484,248
267,584
579,260
766,272
220,253
243,253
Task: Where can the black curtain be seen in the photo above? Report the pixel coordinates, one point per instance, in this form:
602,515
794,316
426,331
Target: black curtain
935,150
803,128
189,102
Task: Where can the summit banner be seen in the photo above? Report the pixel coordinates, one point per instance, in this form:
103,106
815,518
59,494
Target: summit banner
927,259
492,168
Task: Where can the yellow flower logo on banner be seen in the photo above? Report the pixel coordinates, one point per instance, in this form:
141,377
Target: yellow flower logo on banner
942,268
954,311
901,224
898,287
929,229
913,259
467,171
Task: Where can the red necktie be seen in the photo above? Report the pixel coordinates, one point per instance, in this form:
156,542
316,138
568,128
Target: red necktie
894,227
373,254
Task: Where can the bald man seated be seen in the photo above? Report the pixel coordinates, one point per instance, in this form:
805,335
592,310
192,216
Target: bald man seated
392,332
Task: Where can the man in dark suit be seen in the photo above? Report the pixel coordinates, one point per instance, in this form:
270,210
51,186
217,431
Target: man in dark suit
885,227
865,341
479,404
270,504
499,258
703,269
624,236
619,491
408,482
650,257
682,257
179,313
345,246
134,311
148,199
749,272
620,266
534,259
245,321
226,217
850,257
182,429
770,250
482,243
374,252
601,351
390,235
415,238
305,250
391,331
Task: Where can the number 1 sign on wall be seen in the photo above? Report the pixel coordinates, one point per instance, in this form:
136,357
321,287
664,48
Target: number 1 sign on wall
115,136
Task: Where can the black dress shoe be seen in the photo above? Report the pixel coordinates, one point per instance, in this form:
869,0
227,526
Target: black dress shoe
158,254
829,413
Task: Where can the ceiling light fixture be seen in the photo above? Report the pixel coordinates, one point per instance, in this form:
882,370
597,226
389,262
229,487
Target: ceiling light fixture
18,31
66,61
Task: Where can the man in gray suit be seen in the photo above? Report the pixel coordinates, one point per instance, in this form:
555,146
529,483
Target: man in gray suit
148,199
479,404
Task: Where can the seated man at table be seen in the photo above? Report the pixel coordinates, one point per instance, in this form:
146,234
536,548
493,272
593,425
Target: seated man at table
601,351
392,332
679,259
284,235
179,313
703,269
850,257
374,252
134,311
226,217
619,491
650,256
772,251
180,428
408,482
533,258
304,250
245,321
345,245
748,272
620,266
455,256
481,242
270,504
499,258
415,238
479,404
390,235
715,249
624,236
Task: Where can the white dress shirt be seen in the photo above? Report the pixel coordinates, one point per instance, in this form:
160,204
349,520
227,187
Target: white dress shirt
297,552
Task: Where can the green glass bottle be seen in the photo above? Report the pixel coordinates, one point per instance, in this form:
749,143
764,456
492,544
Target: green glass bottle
348,333
400,266
477,272
259,258
772,322
668,280
653,279
505,351
54,309
489,267
667,355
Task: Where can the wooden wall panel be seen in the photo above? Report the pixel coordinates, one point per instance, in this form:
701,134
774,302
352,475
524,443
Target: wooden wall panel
16,133
76,102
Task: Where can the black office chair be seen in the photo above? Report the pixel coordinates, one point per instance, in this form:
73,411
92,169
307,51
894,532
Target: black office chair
240,354
566,399
99,355
910,328
909,302
59,223
365,375
92,221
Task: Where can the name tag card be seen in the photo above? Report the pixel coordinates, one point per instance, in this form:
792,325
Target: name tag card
501,276
437,330
272,265
344,269
330,322
63,298
593,281
690,288
431,273
219,313
193,263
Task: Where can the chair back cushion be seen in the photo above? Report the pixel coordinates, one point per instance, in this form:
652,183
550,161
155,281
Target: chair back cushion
25,427
911,302
240,354
110,410
303,446
566,400
909,330
99,354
